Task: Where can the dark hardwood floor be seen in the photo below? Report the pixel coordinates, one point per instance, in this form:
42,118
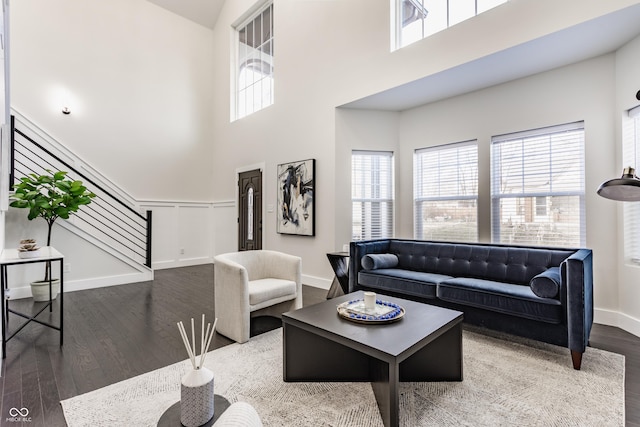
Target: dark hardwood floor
115,333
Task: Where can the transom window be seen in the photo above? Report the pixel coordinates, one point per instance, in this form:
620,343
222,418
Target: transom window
417,19
372,194
631,147
446,192
537,187
254,66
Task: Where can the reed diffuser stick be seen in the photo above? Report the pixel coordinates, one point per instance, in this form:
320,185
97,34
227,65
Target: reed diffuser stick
204,354
193,336
205,341
185,340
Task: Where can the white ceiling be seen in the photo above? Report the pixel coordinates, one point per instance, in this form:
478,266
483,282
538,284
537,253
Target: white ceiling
203,12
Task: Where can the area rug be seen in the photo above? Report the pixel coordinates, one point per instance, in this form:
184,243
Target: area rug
506,382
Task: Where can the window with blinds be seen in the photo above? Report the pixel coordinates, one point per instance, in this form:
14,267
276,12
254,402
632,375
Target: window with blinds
446,192
372,194
537,187
630,148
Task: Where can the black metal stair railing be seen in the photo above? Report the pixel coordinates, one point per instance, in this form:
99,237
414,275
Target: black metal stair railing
107,218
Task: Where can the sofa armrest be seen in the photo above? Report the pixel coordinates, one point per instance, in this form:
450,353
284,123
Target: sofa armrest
357,250
577,272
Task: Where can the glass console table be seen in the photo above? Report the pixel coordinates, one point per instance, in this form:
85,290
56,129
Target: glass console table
10,257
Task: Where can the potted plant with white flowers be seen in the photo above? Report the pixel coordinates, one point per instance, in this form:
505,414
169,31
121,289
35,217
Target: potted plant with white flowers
49,196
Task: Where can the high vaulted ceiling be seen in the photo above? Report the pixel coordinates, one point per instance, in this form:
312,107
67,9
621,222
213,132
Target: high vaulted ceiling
203,12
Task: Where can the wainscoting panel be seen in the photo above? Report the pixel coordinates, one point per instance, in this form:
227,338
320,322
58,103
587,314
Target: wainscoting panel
225,227
182,233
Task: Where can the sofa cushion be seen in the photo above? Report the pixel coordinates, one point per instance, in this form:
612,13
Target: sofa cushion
547,283
402,281
516,300
377,261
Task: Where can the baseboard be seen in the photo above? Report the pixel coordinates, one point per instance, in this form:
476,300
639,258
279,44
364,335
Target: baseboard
617,319
316,282
81,285
185,262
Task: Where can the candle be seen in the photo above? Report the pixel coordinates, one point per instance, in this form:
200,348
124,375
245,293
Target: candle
369,300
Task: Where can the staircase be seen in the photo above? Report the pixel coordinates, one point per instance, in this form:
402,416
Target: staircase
113,221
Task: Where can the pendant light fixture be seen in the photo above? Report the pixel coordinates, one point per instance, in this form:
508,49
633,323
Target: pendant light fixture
627,187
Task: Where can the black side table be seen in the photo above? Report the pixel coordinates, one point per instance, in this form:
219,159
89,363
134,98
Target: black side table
340,263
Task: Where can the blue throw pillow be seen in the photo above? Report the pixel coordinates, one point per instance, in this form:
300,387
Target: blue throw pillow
377,261
547,283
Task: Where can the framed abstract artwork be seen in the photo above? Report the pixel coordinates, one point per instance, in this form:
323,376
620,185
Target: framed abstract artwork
296,198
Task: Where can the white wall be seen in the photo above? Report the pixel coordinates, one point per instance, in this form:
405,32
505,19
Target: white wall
138,81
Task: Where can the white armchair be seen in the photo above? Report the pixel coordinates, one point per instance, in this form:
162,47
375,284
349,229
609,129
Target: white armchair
254,283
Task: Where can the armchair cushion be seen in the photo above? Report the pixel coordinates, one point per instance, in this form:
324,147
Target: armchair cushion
262,290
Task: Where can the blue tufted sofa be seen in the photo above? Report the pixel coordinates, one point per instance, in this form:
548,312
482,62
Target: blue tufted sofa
541,293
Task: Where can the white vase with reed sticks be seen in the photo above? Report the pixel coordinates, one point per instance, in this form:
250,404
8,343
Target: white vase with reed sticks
196,390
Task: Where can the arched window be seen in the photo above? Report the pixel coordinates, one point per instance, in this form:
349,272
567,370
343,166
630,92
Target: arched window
254,66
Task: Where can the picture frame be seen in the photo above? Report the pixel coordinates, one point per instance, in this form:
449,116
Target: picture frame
296,213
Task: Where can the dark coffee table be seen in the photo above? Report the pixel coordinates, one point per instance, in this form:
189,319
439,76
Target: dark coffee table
425,345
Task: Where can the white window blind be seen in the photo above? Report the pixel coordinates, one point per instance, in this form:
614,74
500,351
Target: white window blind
630,148
254,66
537,187
372,194
446,192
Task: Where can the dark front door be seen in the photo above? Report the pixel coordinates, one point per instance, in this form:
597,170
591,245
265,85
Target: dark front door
250,210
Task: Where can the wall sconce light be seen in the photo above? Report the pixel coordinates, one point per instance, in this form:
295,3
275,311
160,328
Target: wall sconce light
66,110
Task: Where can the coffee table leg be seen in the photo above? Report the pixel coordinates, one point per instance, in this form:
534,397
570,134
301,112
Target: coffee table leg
385,382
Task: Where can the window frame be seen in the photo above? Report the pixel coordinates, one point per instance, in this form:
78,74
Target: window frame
367,229
397,16
420,199
631,211
255,64
496,174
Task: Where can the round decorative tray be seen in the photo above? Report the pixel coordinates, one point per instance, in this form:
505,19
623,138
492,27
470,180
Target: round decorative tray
384,312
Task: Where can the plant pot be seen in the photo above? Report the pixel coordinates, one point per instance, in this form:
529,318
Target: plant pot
40,289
